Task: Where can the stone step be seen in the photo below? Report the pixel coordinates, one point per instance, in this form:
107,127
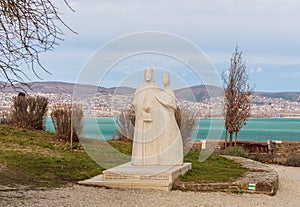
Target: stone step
140,177
132,172
157,185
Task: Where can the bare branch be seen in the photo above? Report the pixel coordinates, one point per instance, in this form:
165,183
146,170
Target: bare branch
27,28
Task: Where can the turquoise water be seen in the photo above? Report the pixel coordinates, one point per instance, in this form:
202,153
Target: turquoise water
255,129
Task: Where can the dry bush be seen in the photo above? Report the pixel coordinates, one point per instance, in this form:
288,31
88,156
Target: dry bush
29,112
77,116
235,151
186,119
64,117
262,157
5,118
125,124
293,160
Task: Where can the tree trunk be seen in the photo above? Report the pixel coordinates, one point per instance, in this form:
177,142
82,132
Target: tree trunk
226,140
236,137
230,141
71,137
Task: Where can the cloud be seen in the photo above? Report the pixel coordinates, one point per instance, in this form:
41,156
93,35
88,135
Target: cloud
265,29
259,69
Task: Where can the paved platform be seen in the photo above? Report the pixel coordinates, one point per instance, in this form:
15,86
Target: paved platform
139,177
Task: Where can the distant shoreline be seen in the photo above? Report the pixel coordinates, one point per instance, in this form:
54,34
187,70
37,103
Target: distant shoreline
286,117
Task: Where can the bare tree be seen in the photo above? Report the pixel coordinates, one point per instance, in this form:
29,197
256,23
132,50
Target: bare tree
27,28
237,96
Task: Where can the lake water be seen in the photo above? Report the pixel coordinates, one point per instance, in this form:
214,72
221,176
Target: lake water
256,129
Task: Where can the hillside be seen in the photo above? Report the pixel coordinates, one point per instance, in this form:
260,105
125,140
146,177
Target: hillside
291,96
46,87
198,93
194,93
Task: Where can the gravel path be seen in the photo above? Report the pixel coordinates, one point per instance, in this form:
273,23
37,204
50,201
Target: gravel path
288,195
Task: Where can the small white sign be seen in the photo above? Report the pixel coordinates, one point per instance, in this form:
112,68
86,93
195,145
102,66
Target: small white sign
252,186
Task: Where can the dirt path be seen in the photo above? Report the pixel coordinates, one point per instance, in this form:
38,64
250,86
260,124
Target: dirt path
288,195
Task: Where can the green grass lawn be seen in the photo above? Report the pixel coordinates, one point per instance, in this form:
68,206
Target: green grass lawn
214,169
36,159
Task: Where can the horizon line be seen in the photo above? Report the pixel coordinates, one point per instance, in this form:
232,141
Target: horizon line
109,87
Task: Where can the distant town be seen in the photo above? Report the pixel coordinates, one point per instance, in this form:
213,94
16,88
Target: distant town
107,102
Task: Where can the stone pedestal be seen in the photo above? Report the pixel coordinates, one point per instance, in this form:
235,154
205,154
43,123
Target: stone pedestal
139,177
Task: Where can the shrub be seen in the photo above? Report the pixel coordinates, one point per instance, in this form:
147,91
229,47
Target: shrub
67,119
125,124
235,151
29,112
185,118
293,160
5,118
265,158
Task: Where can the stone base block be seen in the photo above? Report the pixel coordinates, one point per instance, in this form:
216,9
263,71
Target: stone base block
140,177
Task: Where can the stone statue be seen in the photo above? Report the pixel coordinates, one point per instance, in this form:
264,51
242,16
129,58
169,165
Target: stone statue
145,150
157,139
171,147
157,151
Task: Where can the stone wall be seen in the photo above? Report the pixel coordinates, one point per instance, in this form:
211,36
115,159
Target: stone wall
281,150
273,151
250,147
211,144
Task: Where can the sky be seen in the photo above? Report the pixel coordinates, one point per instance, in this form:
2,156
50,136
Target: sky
267,31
